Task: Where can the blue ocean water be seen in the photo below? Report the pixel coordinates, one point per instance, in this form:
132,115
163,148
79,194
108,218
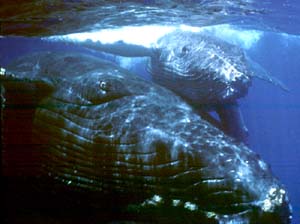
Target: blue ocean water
271,114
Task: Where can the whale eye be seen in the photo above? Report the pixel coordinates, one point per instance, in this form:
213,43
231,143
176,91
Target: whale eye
103,85
184,50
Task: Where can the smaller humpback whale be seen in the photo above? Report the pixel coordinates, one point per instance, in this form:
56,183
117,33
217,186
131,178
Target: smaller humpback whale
94,129
205,71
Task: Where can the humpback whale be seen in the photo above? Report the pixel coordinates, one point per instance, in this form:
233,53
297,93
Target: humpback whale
95,129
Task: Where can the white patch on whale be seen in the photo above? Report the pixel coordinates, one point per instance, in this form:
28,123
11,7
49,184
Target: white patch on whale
148,35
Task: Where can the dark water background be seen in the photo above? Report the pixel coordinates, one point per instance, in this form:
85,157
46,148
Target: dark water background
272,115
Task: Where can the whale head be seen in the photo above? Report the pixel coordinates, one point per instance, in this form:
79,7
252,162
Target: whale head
201,68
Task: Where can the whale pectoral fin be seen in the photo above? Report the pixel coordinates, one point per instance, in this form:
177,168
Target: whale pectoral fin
232,122
208,117
259,72
118,47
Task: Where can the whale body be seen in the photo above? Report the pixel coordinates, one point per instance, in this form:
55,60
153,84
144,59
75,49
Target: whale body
95,128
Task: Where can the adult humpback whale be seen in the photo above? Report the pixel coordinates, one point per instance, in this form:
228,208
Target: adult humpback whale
205,71
94,127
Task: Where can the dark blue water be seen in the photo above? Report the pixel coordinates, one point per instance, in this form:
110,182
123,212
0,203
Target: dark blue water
273,116
281,15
